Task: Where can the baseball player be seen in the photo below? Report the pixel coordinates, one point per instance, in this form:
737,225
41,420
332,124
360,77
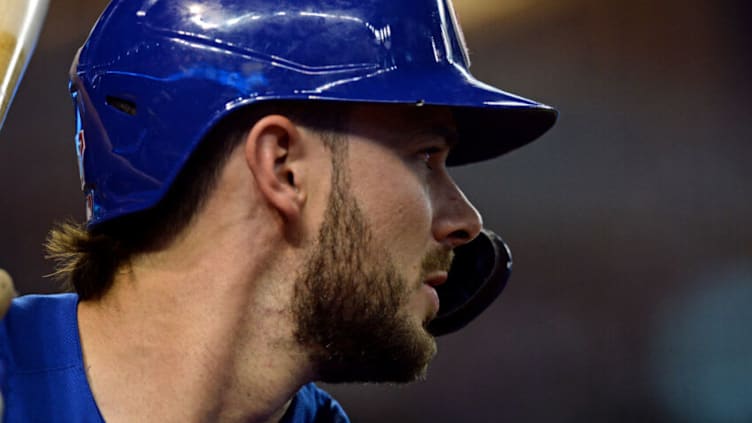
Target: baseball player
268,205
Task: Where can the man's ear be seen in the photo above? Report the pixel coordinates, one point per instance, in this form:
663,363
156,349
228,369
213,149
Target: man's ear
273,149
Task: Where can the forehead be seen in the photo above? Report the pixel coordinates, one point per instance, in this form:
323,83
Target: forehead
403,124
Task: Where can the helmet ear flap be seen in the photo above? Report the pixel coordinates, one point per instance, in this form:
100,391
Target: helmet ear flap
479,273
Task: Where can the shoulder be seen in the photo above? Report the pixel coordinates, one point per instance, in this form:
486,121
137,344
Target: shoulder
313,404
39,332
40,350
30,308
39,328
29,305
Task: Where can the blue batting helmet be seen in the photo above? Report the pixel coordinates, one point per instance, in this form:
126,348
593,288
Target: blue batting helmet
156,75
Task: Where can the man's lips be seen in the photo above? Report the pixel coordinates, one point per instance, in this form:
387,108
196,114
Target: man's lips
436,278
431,281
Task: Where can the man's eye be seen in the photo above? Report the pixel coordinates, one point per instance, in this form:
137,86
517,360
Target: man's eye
427,154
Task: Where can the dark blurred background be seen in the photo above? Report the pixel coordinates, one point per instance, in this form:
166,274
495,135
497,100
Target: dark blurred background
630,222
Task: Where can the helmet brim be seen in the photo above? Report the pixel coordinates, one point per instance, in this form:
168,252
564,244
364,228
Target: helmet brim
490,122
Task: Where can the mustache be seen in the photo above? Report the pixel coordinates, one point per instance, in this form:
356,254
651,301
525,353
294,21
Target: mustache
437,260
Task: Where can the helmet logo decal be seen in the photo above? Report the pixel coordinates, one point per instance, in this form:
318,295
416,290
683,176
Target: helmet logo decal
89,206
80,149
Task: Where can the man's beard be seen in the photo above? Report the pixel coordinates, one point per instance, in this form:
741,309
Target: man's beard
350,300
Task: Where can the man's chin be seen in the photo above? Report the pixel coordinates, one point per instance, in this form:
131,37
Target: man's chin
395,362
346,374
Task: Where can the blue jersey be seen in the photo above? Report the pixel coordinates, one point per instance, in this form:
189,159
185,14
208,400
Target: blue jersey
44,378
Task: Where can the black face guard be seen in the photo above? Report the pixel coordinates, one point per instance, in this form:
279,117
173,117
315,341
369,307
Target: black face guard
479,273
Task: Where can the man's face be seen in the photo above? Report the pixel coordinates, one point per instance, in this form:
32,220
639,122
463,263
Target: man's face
363,297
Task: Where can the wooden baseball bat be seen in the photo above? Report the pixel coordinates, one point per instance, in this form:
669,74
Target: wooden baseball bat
20,24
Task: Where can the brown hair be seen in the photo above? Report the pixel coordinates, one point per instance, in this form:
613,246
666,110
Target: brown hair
86,259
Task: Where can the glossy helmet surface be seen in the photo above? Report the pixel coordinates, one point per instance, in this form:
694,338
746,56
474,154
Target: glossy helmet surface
155,76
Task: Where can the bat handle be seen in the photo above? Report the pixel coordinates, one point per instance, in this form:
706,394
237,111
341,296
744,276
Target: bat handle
20,25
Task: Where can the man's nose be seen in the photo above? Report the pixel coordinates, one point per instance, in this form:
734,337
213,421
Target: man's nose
456,221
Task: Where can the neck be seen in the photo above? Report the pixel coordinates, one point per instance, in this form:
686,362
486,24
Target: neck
177,340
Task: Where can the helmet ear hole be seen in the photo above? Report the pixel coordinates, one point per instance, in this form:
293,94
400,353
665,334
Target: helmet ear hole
126,106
